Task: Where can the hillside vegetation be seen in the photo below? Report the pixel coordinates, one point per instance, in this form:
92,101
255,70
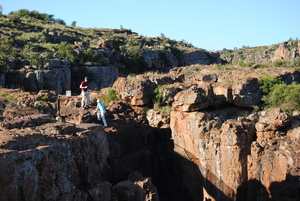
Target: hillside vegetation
263,56
28,38
33,37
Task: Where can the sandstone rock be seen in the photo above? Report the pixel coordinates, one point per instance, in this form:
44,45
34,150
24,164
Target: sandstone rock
145,183
247,93
222,94
137,92
101,191
158,119
282,52
193,99
218,147
48,168
105,43
172,59
28,121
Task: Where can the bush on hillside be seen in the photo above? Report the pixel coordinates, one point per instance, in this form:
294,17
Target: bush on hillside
65,51
89,55
286,97
24,13
110,95
268,83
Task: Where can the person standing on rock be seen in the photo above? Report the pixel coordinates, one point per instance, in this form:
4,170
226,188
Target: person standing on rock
100,109
85,93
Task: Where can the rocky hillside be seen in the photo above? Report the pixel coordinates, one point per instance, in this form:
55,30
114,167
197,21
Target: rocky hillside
198,131
283,54
237,153
211,146
38,53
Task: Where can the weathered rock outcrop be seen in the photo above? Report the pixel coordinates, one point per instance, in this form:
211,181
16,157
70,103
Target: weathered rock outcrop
200,57
286,52
53,165
237,161
239,155
57,77
42,159
208,87
213,146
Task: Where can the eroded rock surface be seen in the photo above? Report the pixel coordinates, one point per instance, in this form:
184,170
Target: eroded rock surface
45,159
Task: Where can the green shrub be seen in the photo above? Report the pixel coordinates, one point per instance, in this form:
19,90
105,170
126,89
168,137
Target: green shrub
7,96
88,55
7,101
45,97
133,42
286,97
296,62
158,95
36,60
110,95
65,51
280,63
294,44
6,47
59,21
268,83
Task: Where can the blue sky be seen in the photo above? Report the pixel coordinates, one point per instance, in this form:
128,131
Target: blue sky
211,25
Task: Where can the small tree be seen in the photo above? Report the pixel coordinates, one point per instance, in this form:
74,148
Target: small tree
73,24
65,51
59,21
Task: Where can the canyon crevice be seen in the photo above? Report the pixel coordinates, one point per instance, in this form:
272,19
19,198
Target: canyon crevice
212,146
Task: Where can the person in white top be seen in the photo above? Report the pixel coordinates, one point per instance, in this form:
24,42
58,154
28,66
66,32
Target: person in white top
101,112
84,93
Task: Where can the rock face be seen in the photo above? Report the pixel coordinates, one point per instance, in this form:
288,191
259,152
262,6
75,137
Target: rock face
237,161
236,154
45,159
207,87
57,77
49,163
103,77
212,145
283,52
200,57
219,148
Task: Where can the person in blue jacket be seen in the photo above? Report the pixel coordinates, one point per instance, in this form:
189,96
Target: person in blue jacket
101,112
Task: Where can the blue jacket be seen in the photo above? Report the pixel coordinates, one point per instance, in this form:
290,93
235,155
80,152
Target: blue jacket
101,107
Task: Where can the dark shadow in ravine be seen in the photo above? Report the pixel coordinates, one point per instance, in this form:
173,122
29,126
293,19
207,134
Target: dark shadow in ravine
288,189
197,182
176,177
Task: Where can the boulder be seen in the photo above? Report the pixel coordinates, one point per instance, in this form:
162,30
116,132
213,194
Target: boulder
107,43
246,93
158,118
193,99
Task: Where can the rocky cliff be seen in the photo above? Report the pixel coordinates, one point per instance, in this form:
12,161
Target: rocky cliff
237,153
212,145
287,51
75,158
